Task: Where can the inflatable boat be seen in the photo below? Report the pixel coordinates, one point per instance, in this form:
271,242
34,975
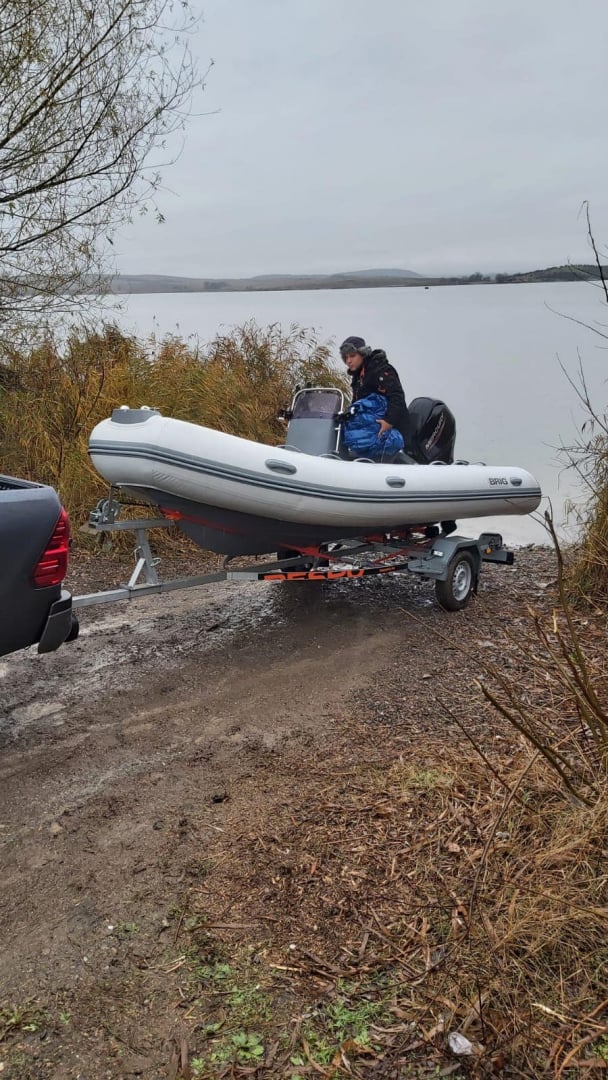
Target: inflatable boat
238,497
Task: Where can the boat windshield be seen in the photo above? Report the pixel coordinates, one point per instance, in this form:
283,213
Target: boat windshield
316,404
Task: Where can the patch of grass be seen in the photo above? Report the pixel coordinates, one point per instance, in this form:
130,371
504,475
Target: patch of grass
224,988
413,778
127,928
350,1019
250,1004
18,1060
241,1046
317,1048
344,1022
248,1046
194,922
26,1017
214,973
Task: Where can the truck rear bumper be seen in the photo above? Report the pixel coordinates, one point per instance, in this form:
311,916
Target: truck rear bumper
61,624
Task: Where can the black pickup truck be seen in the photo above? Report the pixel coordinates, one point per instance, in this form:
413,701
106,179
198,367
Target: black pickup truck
34,547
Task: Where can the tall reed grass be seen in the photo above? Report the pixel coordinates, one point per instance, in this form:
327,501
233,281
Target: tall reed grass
52,396
588,456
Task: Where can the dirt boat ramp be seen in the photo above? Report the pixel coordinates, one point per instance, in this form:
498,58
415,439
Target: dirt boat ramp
167,728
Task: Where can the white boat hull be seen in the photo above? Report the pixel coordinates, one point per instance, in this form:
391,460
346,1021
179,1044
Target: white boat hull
251,493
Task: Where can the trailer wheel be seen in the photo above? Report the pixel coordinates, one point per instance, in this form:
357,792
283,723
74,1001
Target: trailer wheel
454,593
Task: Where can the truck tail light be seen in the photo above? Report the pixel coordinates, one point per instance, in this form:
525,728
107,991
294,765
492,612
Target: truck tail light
52,565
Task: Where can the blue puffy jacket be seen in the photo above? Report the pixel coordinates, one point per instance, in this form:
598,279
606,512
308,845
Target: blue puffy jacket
361,434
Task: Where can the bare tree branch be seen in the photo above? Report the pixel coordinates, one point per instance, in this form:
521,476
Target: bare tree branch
595,251
88,88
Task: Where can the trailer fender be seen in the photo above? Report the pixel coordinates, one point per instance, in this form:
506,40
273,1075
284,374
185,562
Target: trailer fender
435,563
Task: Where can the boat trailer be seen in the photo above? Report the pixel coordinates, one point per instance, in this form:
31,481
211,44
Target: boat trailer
452,562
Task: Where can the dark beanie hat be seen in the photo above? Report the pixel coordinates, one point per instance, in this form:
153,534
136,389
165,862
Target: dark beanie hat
352,344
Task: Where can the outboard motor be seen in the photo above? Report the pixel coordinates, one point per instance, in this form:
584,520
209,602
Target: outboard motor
431,431
313,420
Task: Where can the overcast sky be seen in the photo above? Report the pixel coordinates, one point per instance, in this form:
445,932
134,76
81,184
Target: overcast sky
431,135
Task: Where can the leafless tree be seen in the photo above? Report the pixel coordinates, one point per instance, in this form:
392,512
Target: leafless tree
88,90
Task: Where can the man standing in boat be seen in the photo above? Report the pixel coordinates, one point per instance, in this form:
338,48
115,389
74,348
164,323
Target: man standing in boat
371,373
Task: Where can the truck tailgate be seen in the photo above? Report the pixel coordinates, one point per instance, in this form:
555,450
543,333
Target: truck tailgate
28,515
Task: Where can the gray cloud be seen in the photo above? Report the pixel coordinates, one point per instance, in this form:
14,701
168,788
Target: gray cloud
449,136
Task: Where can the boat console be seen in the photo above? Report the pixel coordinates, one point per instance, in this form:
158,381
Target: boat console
313,421
314,426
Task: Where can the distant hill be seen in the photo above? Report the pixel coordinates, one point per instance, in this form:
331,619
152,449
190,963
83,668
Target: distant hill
378,273
161,283
348,279
568,272
155,283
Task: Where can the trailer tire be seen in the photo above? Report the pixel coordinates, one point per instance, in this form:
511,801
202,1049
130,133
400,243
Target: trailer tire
454,593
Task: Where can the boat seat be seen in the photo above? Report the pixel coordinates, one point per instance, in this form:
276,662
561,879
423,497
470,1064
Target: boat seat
400,458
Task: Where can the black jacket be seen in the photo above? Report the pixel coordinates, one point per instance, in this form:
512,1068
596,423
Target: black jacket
377,376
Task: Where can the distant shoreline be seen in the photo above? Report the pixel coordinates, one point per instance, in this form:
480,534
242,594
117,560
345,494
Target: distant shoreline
130,284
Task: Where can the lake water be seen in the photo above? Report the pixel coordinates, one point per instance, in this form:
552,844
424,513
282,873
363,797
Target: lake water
492,352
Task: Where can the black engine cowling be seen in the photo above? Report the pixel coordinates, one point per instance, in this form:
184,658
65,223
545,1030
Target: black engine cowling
431,431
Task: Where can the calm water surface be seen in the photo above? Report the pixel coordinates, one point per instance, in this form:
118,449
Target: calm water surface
492,352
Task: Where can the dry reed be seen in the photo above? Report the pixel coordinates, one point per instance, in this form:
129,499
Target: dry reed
52,397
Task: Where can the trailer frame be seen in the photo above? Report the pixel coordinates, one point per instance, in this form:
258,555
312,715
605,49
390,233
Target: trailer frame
452,562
